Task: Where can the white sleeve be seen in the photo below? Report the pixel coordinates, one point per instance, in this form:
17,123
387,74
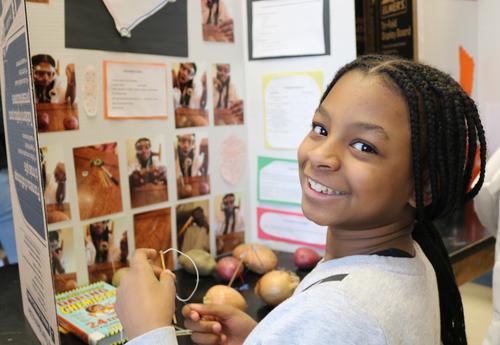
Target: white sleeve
486,203
159,336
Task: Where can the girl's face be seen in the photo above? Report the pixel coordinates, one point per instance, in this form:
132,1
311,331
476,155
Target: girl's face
355,163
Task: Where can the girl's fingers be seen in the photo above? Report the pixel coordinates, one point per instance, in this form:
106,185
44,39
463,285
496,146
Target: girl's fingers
203,326
205,338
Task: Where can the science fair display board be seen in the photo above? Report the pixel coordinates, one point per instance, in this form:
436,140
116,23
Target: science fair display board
149,126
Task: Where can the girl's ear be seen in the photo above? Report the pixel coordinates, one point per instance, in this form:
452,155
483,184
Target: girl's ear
427,194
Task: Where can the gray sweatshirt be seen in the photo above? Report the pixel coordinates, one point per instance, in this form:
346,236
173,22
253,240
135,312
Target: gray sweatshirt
370,300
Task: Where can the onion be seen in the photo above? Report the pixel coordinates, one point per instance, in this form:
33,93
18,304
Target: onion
276,286
70,122
222,294
118,275
257,257
203,260
305,258
43,120
227,266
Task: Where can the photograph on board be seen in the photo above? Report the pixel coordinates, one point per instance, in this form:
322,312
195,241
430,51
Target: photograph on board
147,172
55,94
106,248
153,229
218,25
63,260
229,214
54,184
228,107
193,229
97,180
190,95
191,165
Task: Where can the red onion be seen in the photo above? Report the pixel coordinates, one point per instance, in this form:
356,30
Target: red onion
305,258
226,267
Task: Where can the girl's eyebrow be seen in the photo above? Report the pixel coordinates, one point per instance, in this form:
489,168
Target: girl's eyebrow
364,126
322,111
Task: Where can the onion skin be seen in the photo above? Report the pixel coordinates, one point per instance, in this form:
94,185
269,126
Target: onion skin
227,266
224,295
257,257
305,258
118,275
203,260
276,286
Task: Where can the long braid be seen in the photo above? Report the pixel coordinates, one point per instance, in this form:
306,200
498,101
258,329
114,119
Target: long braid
445,132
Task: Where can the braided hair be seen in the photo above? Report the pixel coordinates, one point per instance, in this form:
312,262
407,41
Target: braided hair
445,133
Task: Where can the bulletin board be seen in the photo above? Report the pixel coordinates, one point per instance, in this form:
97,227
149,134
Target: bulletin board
289,25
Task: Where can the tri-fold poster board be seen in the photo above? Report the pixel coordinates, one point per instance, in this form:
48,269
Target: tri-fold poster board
148,126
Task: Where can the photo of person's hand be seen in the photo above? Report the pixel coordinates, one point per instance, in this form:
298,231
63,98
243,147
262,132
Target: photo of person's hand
217,324
227,28
70,73
236,108
145,299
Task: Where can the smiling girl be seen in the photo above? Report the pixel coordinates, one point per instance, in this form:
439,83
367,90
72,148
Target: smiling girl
391,148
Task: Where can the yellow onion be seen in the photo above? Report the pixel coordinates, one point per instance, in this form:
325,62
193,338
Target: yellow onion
276,286
257,257
203,260
118,275
225,295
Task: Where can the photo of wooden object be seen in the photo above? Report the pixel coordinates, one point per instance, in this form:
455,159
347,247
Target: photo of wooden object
153,230
148,185
98,182
57,117
148,194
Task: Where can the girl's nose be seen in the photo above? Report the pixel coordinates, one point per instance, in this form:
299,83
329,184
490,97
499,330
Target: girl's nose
325,157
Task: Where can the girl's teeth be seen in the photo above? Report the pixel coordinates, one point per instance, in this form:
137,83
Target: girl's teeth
322,189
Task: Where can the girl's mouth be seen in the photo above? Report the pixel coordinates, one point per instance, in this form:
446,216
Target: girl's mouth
319,188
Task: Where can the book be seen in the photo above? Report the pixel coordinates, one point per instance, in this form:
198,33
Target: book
89,313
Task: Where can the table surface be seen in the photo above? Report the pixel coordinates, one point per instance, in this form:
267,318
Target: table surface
468,243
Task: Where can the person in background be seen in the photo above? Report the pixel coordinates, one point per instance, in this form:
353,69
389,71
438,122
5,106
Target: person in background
188,93
487,206
7,238
99,243
390,149
230,219
188,162
56,252
225,96
215,13
196,235
148,168
48,86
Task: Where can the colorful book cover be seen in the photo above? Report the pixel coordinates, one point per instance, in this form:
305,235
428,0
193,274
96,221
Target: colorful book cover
89,313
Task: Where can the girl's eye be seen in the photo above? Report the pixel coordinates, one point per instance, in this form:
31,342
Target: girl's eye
363,147
318,129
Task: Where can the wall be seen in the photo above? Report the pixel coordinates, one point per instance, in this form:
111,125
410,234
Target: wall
343,50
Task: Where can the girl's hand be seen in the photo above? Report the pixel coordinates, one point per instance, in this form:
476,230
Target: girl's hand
143,301
217,324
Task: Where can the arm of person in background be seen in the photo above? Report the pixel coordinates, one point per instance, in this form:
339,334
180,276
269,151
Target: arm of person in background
145,303
217,324
90,250
203,97
71,84
226,24
487,203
